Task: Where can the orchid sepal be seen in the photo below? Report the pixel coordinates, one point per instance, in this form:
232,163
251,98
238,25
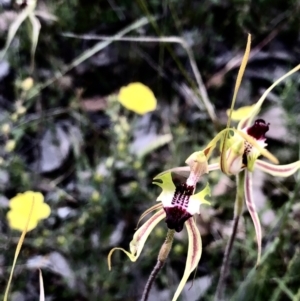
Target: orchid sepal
278,170
264,152
139,238
193,255
256,108
253,213
149,210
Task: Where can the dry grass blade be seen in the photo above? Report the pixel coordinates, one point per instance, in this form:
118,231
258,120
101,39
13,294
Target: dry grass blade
146,39
87,54
36,27
28,12
17,252
42,291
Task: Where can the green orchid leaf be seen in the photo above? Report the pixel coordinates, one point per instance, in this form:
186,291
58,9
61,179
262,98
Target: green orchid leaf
193,255
139,238
278,170
252,210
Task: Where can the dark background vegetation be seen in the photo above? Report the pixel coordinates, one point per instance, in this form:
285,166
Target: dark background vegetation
83,154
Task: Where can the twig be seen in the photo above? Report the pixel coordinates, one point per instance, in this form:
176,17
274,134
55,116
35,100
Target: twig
226,259
172,39
238,208
152,277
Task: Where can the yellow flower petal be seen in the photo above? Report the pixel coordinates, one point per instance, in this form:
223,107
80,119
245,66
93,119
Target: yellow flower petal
241,113
20,207
18,221
138,98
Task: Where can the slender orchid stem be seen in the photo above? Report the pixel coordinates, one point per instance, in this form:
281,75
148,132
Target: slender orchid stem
238,208
161,259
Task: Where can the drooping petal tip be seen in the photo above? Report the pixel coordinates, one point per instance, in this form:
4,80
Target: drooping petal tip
139,238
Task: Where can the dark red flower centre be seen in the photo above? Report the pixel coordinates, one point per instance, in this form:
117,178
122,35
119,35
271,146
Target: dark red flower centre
258,129
177,214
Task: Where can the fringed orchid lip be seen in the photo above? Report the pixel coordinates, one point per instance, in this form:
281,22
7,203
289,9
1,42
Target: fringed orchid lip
177,214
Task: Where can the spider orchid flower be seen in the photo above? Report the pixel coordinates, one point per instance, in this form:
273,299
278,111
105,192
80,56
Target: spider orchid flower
177,205
241,155
240,152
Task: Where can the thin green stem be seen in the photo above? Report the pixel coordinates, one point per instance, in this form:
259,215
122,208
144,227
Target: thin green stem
161,259
238,208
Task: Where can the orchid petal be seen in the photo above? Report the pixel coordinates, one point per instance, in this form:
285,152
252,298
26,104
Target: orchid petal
248,120
239,78
252,210
155,207
264,152
139,238
193,255
278,170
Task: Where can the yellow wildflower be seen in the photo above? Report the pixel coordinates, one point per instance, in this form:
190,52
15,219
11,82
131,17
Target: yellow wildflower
25,204
138,98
